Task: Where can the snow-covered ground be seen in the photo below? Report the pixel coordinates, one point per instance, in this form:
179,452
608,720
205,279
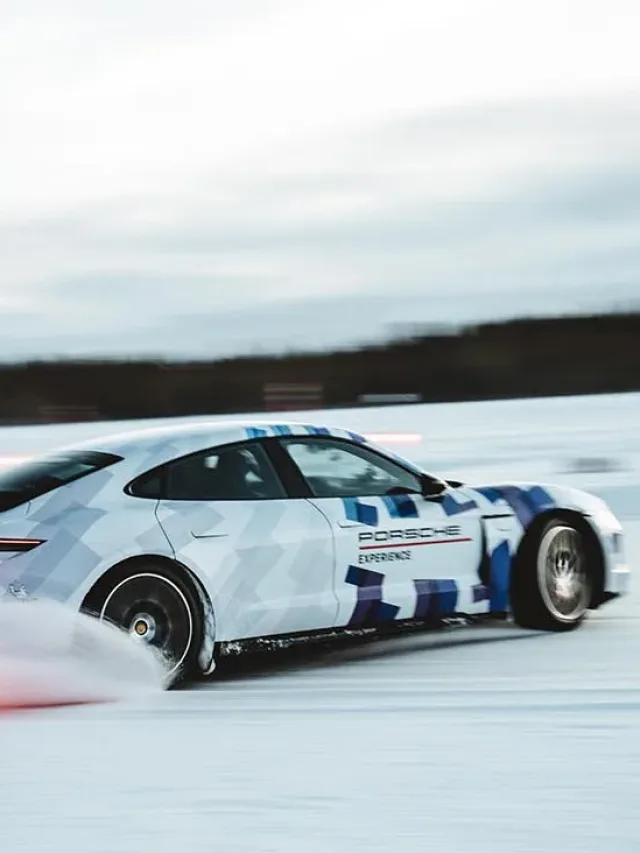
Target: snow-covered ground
488,739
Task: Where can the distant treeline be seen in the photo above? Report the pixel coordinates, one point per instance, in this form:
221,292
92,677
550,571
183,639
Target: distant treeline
519,358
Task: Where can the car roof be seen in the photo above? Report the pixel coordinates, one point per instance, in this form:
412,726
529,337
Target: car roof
158,444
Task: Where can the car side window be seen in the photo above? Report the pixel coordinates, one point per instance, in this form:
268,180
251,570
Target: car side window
336,469
241,472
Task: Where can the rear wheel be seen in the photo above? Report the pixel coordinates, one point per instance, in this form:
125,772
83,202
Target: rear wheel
156,606
553,580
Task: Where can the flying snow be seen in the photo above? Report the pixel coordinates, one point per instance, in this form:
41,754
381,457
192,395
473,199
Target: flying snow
51,655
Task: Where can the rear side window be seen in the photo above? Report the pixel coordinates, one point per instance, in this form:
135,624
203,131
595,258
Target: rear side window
230,473
22,483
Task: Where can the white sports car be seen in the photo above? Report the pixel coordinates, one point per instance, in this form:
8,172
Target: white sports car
199,536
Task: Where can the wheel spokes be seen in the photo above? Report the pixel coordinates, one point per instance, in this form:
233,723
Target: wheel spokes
565,578
154,610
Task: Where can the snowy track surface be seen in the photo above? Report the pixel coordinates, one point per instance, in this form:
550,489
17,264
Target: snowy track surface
483,739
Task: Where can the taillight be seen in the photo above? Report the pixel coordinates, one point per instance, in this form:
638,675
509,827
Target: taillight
19,546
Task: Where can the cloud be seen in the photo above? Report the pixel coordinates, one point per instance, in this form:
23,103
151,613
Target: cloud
213,181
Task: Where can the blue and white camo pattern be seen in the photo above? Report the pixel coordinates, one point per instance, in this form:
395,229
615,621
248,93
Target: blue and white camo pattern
268,568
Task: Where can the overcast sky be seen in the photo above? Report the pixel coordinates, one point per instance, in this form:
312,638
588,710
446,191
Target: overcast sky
212,176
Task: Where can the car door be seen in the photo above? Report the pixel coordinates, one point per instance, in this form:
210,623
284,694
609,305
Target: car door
267,559
398,555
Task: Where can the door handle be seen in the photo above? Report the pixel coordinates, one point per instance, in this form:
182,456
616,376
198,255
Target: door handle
208,535
350,524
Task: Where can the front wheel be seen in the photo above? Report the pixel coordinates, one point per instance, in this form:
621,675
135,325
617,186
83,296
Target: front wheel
156,606
553,582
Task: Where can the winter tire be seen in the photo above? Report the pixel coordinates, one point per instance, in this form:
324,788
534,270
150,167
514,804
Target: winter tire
553,580
155,605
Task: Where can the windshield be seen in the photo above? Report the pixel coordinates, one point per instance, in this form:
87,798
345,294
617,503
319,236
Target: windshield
22,483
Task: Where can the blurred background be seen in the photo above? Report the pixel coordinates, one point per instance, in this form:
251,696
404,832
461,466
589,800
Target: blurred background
281,204
362,206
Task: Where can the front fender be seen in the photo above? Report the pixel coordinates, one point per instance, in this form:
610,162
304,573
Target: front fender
508,511
528,500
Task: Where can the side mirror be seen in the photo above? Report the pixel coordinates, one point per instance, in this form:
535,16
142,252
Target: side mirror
432,488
